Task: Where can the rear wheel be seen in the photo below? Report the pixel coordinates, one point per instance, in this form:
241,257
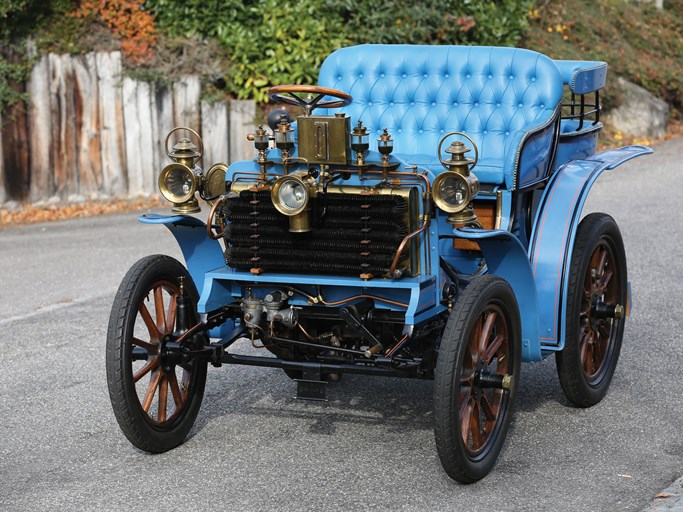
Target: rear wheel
476,378
155,399
595,309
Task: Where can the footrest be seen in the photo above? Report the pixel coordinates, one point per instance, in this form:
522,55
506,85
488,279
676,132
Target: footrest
311,389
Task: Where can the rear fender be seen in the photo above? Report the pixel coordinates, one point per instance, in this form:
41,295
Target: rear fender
554,231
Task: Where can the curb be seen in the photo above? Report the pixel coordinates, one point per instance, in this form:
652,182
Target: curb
668,500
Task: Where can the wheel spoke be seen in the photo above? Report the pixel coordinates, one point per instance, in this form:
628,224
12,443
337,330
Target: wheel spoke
475,426
151,348
154,333
175,390
163,397
489,412
159,307
486,332
602,262
465,419
588,359
170,318
145,369
151,390
493,348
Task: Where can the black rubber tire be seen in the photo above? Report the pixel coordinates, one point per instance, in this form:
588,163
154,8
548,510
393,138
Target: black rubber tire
483,292
593,230
133,420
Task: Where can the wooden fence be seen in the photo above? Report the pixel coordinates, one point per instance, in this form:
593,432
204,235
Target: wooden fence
88,132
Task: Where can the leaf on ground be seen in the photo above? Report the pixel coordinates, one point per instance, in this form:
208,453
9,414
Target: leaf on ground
30,214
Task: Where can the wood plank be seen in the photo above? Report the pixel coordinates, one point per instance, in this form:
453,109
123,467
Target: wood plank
114,179
215,133
3,192
242,121
40,130
146,140
87,125
186,93
63,107
15,151
137,115
129,93
164,123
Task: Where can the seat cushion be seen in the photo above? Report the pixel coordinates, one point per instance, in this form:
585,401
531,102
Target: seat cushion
421,93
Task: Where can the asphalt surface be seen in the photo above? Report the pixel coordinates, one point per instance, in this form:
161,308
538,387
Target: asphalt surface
371,447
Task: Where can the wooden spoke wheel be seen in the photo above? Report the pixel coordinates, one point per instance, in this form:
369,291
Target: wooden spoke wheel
476,378
155,396
595,309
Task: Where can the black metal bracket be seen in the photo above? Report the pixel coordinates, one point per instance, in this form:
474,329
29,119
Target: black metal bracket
311,386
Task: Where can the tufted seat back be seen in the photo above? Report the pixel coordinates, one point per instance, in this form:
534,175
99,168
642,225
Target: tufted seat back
420,93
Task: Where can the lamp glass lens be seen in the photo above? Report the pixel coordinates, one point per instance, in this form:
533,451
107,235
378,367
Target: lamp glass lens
453,191
292,195
179,182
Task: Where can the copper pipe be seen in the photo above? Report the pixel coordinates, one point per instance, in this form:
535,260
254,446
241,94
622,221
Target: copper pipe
320,299
391,351
311,338
209,224
425,198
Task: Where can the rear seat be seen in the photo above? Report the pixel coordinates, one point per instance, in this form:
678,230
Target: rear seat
499,96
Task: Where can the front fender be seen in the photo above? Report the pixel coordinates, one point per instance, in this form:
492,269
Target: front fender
554,231
506,257
202,254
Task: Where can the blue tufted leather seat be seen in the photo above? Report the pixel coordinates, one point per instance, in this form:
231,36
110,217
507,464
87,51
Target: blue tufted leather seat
498,96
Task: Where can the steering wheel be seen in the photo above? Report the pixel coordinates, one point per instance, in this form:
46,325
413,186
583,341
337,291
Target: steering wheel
294,95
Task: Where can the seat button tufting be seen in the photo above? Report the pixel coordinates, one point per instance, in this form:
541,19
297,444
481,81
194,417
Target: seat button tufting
490,76
360,76
467,75
412,103
533,78
399,130
425,75
391,103
446,75
476,104
520,105
542,105
420,131
404,75
381,75
370,103
339,78
507,133
455,103
511,77
498,104
433,103
485,132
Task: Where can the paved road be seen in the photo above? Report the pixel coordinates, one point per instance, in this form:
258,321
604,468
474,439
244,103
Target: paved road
371,446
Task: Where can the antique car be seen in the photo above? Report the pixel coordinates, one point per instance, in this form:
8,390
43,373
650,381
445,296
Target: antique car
420,218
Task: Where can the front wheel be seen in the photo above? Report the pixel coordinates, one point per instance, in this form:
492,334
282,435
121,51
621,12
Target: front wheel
155,399
476,376
595,309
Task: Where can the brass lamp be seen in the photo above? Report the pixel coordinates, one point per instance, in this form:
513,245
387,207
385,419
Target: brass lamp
179,181
454,189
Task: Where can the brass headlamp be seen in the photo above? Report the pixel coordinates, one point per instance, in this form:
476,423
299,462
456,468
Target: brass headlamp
291,195
454,189
179,181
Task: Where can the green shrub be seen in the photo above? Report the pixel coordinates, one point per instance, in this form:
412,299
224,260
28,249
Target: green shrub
281,41
483,22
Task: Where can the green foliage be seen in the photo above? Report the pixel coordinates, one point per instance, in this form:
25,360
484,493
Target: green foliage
639,42
19,18
285,41
10,76
483,22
